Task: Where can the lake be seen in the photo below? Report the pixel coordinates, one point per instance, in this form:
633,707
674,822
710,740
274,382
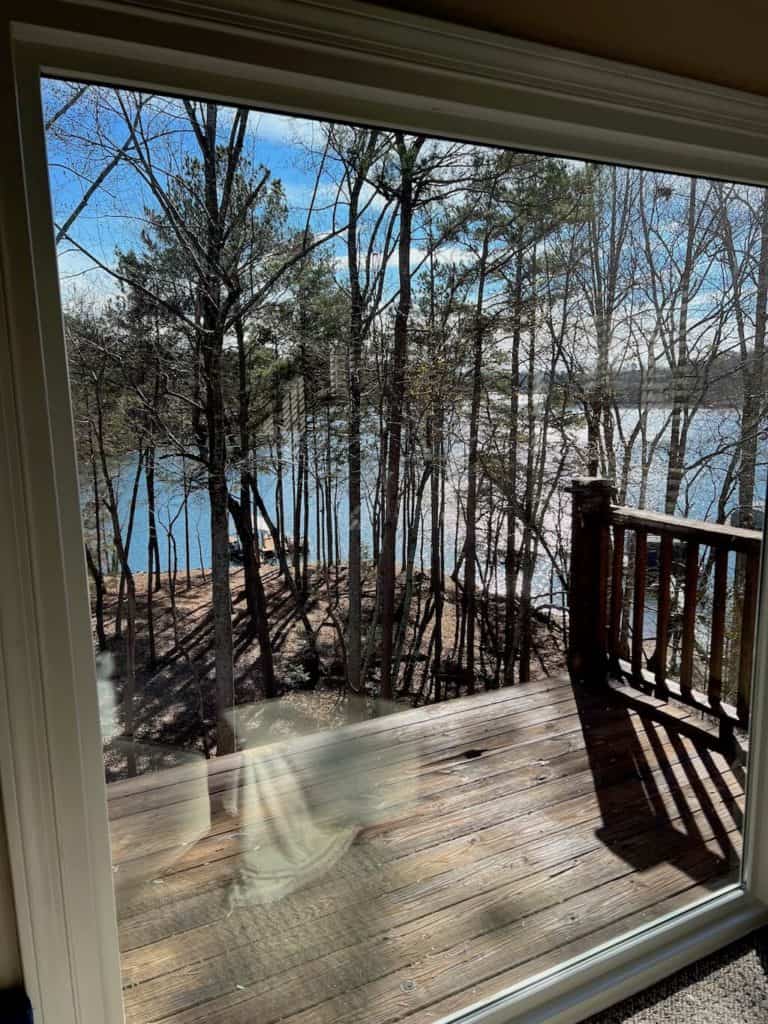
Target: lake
712,435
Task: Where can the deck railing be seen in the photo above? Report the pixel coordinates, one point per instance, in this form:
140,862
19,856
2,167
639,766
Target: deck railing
702,578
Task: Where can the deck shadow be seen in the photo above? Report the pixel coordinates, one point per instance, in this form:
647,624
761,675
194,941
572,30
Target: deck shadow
667,780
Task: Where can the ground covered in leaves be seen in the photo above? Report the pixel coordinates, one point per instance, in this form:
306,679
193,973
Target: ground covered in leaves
175,694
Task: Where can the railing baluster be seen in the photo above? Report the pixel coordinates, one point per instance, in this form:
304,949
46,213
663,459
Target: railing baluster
748,619
663,616
617,594
722,539
638,604
689,616
719,597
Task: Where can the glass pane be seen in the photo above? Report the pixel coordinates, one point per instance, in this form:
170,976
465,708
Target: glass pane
421,493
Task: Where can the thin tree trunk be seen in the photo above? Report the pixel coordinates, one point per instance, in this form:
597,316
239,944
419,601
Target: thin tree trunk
470,542
153,553
510,563
95,565
129,689
98,588
408,156
677,439
240,511
185,499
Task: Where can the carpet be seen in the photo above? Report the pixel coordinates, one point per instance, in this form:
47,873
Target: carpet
729,987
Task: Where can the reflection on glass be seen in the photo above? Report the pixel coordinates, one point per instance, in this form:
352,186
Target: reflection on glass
421,491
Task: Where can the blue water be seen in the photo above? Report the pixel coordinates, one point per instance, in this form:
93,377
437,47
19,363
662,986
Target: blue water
712,430
170,519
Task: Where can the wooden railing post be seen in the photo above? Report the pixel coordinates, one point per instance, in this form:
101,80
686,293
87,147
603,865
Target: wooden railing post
588,592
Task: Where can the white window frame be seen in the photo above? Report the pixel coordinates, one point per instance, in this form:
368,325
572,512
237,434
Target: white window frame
339,60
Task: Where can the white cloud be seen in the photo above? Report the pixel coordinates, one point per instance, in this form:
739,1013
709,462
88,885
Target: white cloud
285,130
445,254
80,279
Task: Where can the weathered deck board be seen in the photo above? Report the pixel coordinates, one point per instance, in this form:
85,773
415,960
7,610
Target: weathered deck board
578,820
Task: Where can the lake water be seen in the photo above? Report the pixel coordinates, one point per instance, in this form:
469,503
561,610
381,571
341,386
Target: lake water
712,435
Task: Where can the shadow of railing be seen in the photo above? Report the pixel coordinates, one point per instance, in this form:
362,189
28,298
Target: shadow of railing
663,796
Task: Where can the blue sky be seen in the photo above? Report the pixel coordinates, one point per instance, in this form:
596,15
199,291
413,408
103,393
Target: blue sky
84,137
89,130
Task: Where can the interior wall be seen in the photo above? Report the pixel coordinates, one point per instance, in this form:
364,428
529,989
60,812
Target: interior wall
10,959
705,39
10,966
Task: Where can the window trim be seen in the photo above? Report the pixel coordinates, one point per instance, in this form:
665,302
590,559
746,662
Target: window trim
513,93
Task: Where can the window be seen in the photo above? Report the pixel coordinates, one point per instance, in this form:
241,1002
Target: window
501,832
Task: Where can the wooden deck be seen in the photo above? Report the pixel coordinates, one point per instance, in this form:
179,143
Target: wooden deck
526,826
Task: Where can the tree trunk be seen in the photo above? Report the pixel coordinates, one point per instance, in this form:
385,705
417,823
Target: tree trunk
95,565
527,560
354,567
212,344
254,587
241,513
408,157
153,551
681,390
469,596
98,590
510,564
436,580
753,377
129,688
